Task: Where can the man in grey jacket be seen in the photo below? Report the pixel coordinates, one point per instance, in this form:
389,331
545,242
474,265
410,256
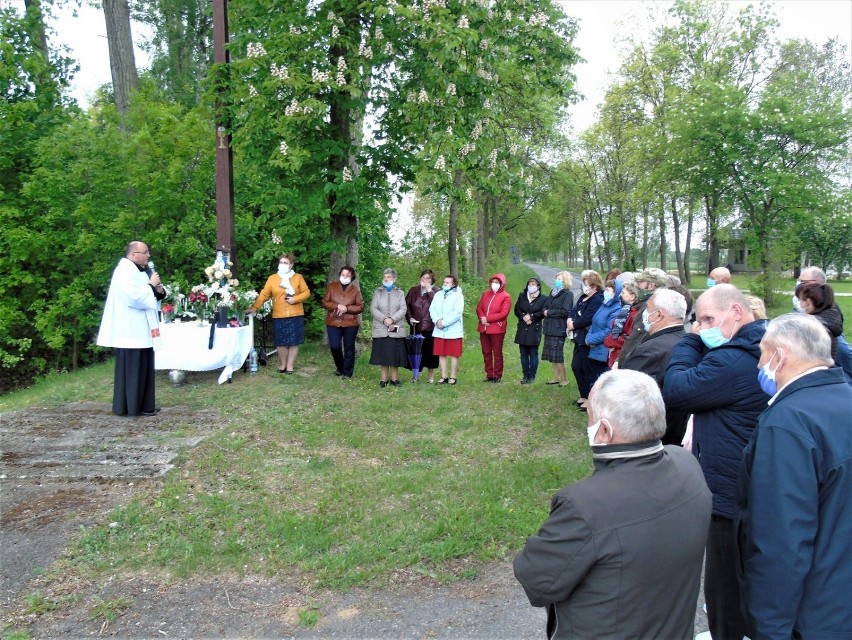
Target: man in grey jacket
620,554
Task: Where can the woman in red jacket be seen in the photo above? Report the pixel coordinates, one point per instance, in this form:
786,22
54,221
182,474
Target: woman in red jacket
493,310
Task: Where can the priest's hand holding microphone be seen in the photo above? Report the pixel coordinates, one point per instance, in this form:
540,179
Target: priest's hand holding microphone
154,278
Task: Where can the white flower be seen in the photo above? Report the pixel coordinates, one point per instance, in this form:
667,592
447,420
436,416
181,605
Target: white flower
380,35
341,64
388,49
449,131
484,44
276,239
486,104
252,91
440,164
477,130
422,97
335,31
347,174
279,72
294,30
218,275
463,22
451,89
461,101
209,271
233,282
340,78
365,51
508,15
283,148
255,50
492,159
292,109
320,76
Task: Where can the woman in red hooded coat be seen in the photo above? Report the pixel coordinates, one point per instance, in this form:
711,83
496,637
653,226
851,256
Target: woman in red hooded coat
492,311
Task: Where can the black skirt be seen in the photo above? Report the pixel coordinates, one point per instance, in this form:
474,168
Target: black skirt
389,352
289,331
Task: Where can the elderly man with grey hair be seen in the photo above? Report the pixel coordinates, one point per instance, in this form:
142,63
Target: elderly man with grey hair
663,318
794,500
620,554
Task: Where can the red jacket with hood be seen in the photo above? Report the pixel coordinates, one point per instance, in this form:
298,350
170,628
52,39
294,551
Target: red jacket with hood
495,307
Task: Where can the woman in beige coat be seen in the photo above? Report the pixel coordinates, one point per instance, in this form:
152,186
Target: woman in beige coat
389,329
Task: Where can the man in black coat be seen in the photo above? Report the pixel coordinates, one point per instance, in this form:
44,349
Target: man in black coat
664,316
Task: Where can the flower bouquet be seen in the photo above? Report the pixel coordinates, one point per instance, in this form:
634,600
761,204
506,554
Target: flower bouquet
168,311
200,303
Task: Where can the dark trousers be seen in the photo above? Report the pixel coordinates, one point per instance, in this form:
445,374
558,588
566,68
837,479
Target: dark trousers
341,341
492,353
580,369
529,361
596,369
133,386
721,586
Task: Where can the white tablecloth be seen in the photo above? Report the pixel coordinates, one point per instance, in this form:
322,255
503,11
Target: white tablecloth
185,347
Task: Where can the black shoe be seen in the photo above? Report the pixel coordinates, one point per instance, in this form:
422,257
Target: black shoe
147,414
525,381
496,380
382,384
395,383
489,379
338,373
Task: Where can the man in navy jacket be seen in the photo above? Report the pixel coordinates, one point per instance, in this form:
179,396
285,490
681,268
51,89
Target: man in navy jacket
794,505
712,374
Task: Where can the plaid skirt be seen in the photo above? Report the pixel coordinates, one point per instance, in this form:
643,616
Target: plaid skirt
554,349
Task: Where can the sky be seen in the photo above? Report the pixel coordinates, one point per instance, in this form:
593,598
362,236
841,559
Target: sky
602,22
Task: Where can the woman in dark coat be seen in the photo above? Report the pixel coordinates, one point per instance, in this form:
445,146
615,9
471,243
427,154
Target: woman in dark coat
417,303
528,310
556,309
579,322
818,300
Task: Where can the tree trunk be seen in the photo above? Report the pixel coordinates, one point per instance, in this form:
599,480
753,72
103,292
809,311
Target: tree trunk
663,244
710,206
646,217
44,84
676,227
690,219
122,65
480,247
453,231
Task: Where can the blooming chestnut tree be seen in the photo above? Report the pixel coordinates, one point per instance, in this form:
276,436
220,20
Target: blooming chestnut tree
337,105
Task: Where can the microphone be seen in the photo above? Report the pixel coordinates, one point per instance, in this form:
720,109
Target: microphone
150,269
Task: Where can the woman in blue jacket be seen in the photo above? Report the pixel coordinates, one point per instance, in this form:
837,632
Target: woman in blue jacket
600,328
579,321
446,312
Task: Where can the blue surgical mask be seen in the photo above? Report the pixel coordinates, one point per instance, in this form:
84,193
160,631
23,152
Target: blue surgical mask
558,284
446,287
389,285
714,337
646,320
607,296
711,282
766,377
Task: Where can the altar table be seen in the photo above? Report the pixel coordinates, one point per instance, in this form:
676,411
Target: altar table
185,347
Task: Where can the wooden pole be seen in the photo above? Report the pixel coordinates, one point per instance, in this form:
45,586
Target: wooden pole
224,154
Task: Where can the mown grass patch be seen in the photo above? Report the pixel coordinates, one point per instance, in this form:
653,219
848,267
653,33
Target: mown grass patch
346,483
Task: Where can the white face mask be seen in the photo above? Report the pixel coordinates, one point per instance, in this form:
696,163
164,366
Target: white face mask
283,268
532,288
345,280
592,430
586,289
495,287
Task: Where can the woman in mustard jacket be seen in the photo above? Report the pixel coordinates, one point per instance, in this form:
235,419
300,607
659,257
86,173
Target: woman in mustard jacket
288,291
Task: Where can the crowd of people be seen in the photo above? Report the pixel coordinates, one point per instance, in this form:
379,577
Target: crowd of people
723,443
720,439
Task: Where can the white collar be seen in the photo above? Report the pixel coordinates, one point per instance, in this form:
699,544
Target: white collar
792,380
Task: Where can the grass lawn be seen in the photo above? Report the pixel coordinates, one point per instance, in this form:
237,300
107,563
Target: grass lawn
344,483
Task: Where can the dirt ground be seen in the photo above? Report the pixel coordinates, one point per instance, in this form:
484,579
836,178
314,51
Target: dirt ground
67,468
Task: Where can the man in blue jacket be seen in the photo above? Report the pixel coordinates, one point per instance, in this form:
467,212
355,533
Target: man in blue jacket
712,374
794,505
